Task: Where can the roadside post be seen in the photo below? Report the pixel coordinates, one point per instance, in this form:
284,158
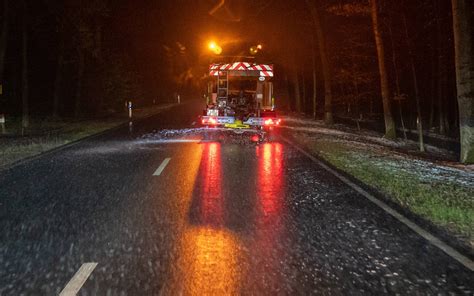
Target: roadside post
179,99
2,116
129,107
130,122
2,123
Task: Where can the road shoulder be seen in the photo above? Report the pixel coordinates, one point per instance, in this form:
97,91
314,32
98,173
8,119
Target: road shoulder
17,150
412,191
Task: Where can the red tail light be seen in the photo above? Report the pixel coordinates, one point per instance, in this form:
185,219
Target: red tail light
210,121
269,121
272,121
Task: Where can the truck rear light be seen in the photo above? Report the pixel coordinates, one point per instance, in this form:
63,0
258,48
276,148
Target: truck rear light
269,121
209,121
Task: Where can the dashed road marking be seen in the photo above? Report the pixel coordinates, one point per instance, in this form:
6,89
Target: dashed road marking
78,280
162,166
468,263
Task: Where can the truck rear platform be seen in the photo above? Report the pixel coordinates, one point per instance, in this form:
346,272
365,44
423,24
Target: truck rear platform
240,96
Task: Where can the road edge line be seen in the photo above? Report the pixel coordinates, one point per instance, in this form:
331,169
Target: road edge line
78,280
450,251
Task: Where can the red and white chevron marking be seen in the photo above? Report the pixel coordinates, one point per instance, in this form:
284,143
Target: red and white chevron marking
266,73
265,70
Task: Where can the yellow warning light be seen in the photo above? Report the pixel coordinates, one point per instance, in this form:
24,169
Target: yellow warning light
255,49
214,47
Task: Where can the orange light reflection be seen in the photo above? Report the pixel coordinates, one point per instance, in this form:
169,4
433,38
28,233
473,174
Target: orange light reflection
209,262
208,254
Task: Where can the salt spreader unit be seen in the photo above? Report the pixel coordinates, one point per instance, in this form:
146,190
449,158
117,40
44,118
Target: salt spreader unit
240,96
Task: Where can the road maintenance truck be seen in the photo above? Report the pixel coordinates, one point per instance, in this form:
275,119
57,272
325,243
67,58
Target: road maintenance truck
240,97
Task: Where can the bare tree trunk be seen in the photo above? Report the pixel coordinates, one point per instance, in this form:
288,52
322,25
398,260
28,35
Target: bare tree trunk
58,79
433,81
98,41
303,92
3,38
315,80
296,90
288,91
390,132
328,116
356,98
432,90
25,119
397,82
462,25
441,72
80,78
98,53
441,83
419,122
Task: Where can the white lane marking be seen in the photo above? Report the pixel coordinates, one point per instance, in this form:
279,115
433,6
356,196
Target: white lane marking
162,166
468,263
75,284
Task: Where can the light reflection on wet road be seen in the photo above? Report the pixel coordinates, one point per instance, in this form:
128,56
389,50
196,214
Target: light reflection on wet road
208,252
213,259
208,263
269,224
223,218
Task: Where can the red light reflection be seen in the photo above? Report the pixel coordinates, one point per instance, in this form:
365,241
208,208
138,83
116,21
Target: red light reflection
212,208
270,226
270,179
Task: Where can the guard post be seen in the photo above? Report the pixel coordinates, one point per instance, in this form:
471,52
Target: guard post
2,123
2,116
129,107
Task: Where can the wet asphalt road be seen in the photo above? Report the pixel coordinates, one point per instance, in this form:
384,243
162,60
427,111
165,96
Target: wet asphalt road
222,218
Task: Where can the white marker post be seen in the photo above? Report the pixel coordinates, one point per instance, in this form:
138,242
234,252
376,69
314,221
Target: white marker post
130,114
2,116
2,123
179,99
129,106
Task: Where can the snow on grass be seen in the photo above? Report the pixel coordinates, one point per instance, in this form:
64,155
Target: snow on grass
441,191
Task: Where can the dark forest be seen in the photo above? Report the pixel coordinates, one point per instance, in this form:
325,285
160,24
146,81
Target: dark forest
389,65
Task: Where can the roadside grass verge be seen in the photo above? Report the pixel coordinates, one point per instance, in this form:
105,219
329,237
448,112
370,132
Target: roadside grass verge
440,194
47,134
14,149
